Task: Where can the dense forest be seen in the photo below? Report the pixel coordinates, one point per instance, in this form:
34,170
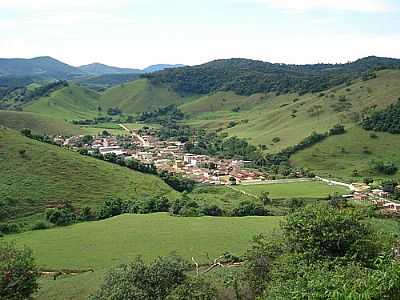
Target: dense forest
387,120
246,77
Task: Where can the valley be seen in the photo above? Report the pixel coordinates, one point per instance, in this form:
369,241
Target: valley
101,164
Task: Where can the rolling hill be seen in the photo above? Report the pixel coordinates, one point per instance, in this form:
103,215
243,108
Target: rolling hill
338,156
103,82
101,69
39,124
139,96
292,117
40,174
71,102
43,66
247,77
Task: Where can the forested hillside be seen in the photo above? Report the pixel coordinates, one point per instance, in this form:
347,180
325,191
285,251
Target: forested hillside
387,120
246,77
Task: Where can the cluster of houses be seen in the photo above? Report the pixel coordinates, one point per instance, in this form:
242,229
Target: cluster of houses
364,193
169,156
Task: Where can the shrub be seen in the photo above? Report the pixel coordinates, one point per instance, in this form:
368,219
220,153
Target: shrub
324,231
87,214
7,228
387,168
141,281
195,288
337,129
276,139
18,273
249,208
60,216
41,225
111,208
212,210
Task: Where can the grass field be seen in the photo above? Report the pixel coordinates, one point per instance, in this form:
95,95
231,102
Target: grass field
72,102
39,124
34,180
338,156
294,190
140,95
103,244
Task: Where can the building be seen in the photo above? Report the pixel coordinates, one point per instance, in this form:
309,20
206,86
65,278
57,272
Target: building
394,207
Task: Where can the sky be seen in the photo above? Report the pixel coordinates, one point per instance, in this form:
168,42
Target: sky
138,33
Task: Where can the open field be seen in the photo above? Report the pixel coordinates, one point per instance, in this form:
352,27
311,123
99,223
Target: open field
71,102
338,156
103,244
311,189
35,180
39,124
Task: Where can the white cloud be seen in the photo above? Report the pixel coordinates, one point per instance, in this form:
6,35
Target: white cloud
337,5
44,5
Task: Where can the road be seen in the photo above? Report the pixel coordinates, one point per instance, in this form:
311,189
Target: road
141,140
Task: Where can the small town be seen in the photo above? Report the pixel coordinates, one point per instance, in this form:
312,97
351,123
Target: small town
167,156
170,156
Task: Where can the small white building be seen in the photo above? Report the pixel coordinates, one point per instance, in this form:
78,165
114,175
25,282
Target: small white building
394,207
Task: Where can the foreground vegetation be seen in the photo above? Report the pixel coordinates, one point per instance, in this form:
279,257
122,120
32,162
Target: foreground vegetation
103,244
320,252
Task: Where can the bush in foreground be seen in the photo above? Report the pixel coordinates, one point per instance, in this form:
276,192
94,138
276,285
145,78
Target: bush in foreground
18,273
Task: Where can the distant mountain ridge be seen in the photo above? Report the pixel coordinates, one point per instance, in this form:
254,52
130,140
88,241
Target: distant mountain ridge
51,68
102,69
160,67
39,66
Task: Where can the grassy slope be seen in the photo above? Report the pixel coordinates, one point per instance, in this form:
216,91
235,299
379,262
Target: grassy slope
294,190
138,96
273,118
48,174
72,102
222,101
39,124
328,158
103,244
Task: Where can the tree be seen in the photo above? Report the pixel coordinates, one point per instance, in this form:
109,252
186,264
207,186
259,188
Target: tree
315,110
141,281
195,288
324,231
265,199
18,272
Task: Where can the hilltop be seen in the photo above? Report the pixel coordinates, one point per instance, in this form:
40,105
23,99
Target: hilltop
39,124
246,77
43,66
102,69
40,174
139,96
70,102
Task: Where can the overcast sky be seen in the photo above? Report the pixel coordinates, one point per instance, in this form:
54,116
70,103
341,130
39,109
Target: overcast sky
137,33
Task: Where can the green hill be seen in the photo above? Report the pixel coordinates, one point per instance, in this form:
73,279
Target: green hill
222,101
71,102
40,174
247,77
39,124
139,96
338,156
292,117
